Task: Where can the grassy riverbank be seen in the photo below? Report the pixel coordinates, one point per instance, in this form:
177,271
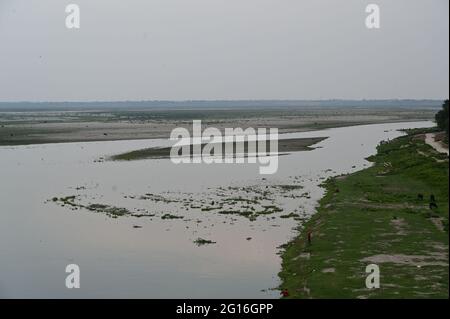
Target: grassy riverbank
376,216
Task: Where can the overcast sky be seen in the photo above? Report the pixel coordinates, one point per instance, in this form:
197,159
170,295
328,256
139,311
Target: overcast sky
223,49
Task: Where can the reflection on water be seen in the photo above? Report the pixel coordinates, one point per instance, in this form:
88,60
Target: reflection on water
152,256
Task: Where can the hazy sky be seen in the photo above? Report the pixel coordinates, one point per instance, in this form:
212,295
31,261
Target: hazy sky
223,49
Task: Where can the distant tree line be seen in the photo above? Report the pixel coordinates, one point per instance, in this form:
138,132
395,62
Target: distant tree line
442,117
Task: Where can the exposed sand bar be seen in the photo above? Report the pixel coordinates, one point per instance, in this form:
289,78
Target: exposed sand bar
284,146
39,127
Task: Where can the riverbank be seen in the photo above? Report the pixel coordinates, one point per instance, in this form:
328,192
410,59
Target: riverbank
377,215
84,125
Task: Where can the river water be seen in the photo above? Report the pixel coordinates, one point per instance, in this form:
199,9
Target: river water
155,257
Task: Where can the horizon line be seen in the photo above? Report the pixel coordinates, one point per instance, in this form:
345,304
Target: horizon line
230,100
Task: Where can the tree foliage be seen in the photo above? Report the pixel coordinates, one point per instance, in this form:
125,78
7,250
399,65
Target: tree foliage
442,117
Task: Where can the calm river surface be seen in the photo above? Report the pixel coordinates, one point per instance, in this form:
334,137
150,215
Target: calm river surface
151,256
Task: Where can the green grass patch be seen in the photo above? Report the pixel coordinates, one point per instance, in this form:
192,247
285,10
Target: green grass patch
377,214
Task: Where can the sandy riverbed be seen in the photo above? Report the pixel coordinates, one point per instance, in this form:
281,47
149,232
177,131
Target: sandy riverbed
21,128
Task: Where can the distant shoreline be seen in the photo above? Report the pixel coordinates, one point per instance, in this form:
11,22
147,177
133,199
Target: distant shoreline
47,137
213,104
93,125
